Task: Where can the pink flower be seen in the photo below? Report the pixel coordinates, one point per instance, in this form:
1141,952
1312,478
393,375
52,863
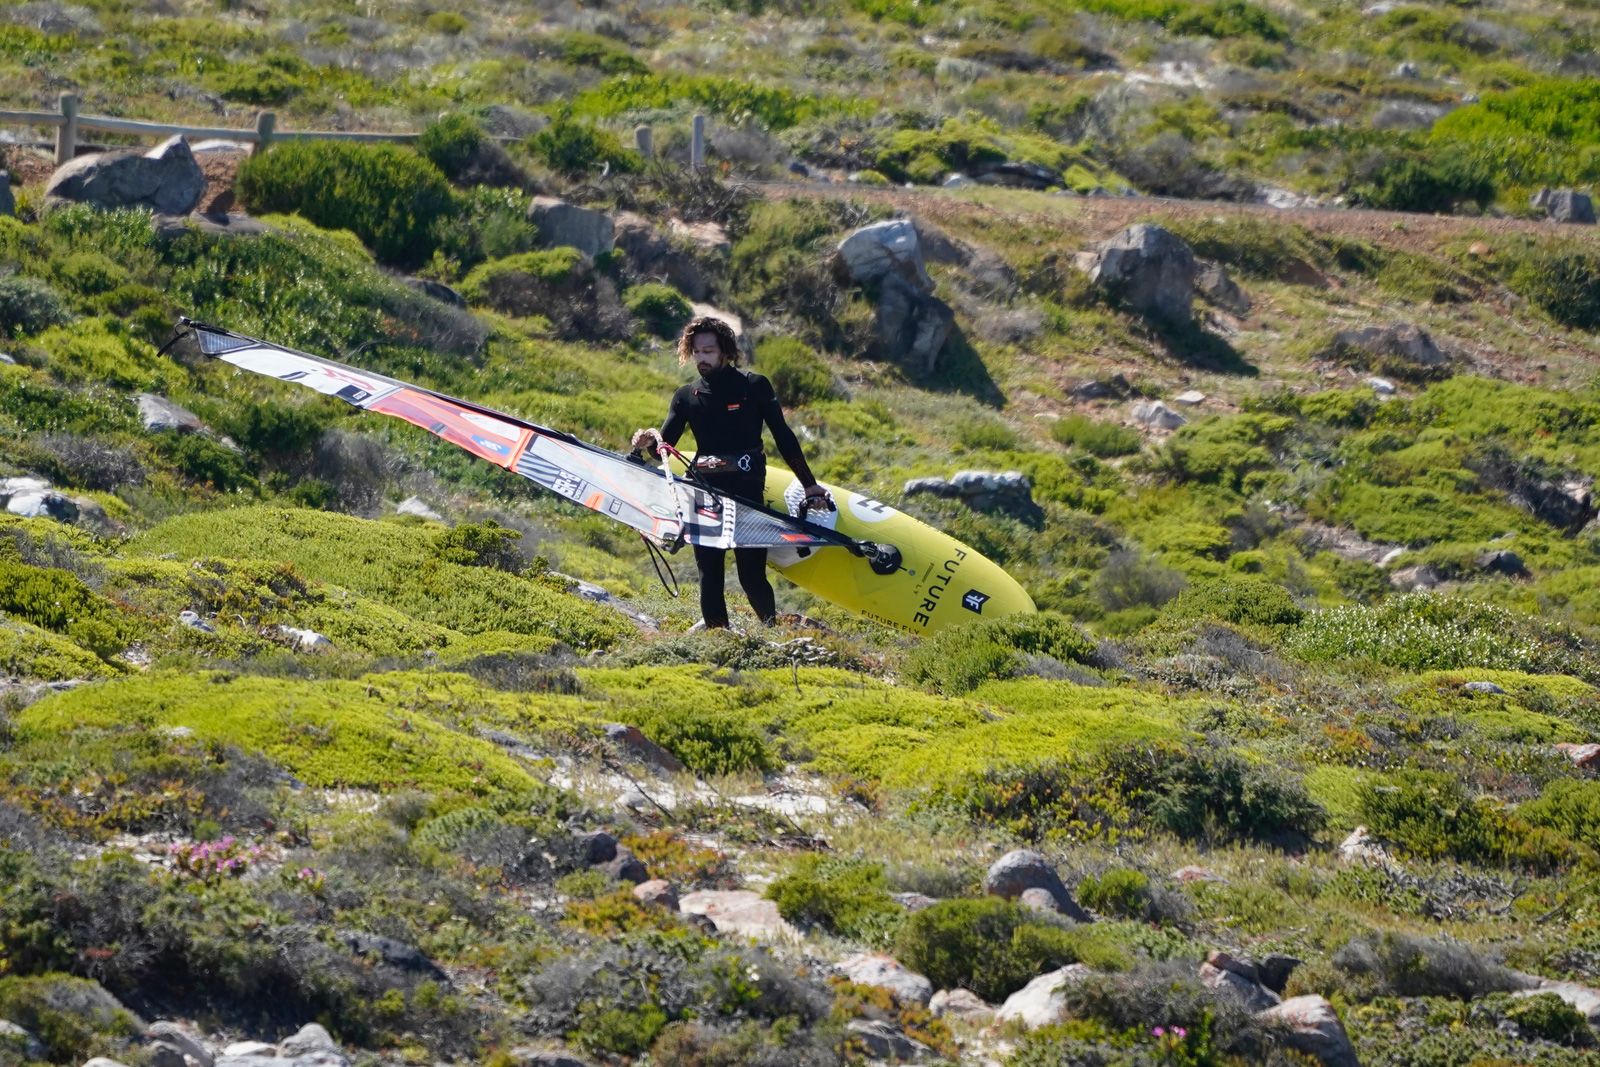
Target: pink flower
1180,1031
1159,1031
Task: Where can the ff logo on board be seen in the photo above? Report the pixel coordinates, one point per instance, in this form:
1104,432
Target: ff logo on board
973,601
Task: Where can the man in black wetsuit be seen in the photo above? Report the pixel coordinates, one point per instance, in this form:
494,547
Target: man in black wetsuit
725,408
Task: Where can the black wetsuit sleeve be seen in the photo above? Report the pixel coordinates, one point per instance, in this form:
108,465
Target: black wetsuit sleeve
787,443
677,419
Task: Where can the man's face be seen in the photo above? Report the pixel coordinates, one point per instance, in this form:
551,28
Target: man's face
707,353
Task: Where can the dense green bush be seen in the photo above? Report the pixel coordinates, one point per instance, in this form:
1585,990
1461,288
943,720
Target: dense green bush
1120,892
389,197
1242,600
1097,438
28,305
68,1015
1428,813
576,148
452,143
990,946
1212,793
843,896
1426,181
1568,806
1540,134
798,376
1547,1016
957,659
57,600
660,308
1563,280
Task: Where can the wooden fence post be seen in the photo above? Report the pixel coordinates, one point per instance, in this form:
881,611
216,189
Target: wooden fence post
266,123
697,146
67,132
644,141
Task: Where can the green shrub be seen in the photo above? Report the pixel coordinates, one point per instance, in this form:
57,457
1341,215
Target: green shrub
1432,181
389,197
1241,600
1119,892
271,82
592,50
448,23
659,307
28,305
1540,134
551,282
576,148
452,142
1547,1016
846,897
489,222
1569,807
993,947
708,741
485,544
957,659
982,432
204,461
1425,631
1401,965
1215,794
1428,813
57,600
1102,439
1563,280
797,375
68,1015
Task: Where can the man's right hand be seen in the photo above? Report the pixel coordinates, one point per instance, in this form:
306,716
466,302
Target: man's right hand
647,440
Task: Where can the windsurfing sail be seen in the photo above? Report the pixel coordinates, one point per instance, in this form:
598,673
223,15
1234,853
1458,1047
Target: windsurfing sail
669,511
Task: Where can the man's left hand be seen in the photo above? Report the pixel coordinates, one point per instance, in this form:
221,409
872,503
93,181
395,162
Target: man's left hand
818,498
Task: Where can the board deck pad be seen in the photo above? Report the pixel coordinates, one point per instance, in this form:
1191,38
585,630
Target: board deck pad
941,583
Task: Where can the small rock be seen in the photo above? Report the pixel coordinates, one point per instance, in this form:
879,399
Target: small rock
657,892
165,1054
1585,756
595,846
250,1048
414,505
1484,687
918,901
566,225
157,413
885,1041
626,867
1148,269
527,1057
1224,961
1362,847
1114,387
961,1004
1565,205
195,622
437,291
1310,1025
1381,386
1040,1003
1190,398
310,1038
1503,561
1407,70
1404,342
33,498
391,952
957,181
1212,282
886,972
187,1043
740,911
1024,868
1156,415
1421,576
1243,990
304,640
1196,874
103,1061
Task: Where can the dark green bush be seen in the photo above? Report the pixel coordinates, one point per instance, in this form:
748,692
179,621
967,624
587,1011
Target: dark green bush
485,544
29,305
990,946
797,375
1547,1016
1428,813
660,308
489,222
576,148
960,658
389,197
452,143
709,742
1563,280
1432,181
57,600
204,461
1241,600
1120,892
1097,438
68,1015
592,50
1212,793
843,896
1568,806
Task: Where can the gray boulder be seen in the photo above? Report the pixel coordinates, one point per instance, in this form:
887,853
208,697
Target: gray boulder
595,846
1149,270
33,498
438,291
1237,980
391,953
157,413
8,202
312,1046
527,1057
911,323
886,972
415,505
626,867
1310,1025
186,1043
1483,688
14,1039
1212,282
1404,342
657,893
561,224
1275,969
166,179
1156,415
885,1041
1040,1002
1017,175
961,1004
1565,205
652,254
1024,868
1502,561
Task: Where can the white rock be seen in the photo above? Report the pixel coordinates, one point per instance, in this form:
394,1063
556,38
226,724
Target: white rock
413,505
1362,847
741,912
1155,414
1040,1003
886,972
1381,386
250,1048
1584,1000
1310,1025
1190,398
304,640
960,1004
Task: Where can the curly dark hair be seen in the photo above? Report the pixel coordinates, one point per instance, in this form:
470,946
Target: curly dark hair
713,325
